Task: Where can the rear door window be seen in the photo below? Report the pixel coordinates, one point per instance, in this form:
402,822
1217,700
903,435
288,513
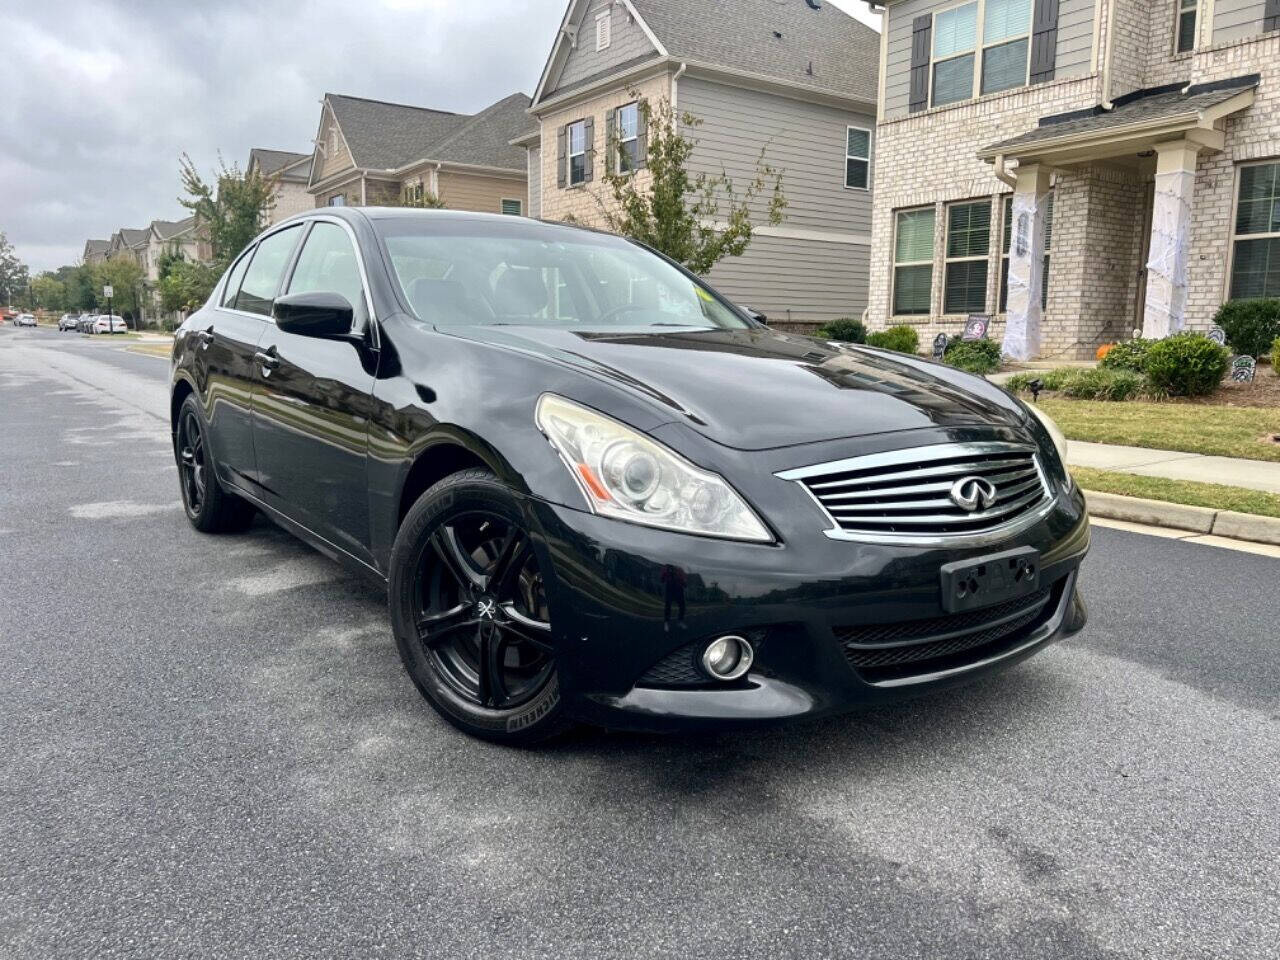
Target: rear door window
234,278
262,279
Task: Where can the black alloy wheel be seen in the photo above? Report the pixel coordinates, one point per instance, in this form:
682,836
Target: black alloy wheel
469,603
209,507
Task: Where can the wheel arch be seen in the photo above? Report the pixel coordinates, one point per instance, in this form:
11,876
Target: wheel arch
182,388
448,451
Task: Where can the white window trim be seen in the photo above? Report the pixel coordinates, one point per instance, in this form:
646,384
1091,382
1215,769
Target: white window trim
518,202
980,258
1232,236
895,263
635,138
978,51
604,29
849,156
569,154
1178,11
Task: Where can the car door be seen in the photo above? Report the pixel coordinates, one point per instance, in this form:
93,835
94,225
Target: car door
230,344
311,411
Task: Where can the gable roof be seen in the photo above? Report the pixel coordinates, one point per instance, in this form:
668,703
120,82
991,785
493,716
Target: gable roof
485,139
134,238
96,246
168,229
287,165
386,136
788,41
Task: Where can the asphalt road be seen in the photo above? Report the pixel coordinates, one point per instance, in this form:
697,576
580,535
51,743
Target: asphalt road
208,748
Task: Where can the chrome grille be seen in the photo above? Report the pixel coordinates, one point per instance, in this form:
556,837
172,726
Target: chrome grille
905,495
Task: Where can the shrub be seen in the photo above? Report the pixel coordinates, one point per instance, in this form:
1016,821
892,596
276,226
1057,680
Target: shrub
1104,350
1127,355
1275,357
1187,365
1251,325
1100,384
844,330
901,339
975,356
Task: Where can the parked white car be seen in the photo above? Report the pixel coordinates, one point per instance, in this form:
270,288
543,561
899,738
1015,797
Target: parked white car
109,324
25,320
68,322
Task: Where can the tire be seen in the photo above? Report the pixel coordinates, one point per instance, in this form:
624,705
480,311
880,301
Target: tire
468,604
209,507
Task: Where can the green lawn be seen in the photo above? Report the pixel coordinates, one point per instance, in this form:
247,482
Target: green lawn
1193,428
1210,495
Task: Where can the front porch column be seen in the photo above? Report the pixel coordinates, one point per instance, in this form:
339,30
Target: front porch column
1164,312
1023,313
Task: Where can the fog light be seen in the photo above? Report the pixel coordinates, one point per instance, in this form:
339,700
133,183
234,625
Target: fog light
727,658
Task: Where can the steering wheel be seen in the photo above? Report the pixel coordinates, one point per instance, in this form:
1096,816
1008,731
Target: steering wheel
624,308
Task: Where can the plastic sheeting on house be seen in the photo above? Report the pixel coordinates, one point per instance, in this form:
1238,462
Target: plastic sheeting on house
1166,301
1026,267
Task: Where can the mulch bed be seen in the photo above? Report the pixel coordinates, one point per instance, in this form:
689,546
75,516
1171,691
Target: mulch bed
1263,392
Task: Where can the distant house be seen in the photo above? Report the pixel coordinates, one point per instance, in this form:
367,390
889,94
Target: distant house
794,79
95,251
130,242
174,237
291,173
371,152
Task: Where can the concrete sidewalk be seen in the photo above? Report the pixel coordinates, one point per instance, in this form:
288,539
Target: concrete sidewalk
1173,465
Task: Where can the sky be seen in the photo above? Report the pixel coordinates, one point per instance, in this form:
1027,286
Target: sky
99,99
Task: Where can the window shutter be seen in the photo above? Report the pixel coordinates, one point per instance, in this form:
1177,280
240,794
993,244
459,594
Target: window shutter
611,142
1271,16
562,157
1044,40
589,159
921,40
642,136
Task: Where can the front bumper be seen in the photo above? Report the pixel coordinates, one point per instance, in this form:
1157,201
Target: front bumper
632,607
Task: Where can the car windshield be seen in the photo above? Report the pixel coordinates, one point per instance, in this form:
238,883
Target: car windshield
470,272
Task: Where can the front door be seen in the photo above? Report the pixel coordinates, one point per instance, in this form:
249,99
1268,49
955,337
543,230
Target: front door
311,411
1144,254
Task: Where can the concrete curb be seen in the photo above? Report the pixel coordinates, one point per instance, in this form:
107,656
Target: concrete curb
1180,516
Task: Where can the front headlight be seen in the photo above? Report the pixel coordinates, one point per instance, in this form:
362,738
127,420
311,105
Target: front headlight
625,475
1056,435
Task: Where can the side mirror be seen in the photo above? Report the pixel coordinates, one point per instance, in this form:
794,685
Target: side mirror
323,315
755,315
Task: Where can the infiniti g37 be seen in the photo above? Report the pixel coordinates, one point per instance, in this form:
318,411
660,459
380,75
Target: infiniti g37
597,491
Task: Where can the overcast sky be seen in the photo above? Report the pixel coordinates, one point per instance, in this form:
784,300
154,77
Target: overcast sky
101,97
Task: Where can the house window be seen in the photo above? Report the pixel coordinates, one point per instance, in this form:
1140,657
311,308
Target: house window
339,201
413,192
913,261
1255,256
604,30
955,35
628,127
857,158
1003,39
1004,252
968,241
578,152
1186,25
512,208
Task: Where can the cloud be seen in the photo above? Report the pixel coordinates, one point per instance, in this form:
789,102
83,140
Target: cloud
103,96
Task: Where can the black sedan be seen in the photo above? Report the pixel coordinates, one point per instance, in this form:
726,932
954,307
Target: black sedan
598,491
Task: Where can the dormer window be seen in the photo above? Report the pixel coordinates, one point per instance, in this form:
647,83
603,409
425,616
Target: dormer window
604,30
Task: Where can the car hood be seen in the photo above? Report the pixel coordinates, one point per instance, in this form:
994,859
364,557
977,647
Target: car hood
758,389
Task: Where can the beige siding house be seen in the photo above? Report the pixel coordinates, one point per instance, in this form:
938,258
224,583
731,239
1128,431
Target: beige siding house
173,237
1075,169
369,152
95,251
291,172
788,80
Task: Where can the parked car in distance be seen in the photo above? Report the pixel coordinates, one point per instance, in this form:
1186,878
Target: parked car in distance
68,321
8,314
109,324
597,491
25,320
85,323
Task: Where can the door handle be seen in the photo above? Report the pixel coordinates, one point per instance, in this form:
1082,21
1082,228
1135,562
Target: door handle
269,360
205,336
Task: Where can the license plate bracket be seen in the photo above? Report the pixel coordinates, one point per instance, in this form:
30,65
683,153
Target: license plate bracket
986,581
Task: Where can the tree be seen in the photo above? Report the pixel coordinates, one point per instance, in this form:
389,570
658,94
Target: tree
233,209
426,200
78,283
49,292
123,274
695,219
13,273
186,285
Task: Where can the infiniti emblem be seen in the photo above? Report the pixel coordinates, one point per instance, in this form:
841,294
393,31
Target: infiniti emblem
973,493
488,608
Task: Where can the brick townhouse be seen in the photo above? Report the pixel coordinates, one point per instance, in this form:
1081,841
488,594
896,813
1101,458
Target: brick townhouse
1076,169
